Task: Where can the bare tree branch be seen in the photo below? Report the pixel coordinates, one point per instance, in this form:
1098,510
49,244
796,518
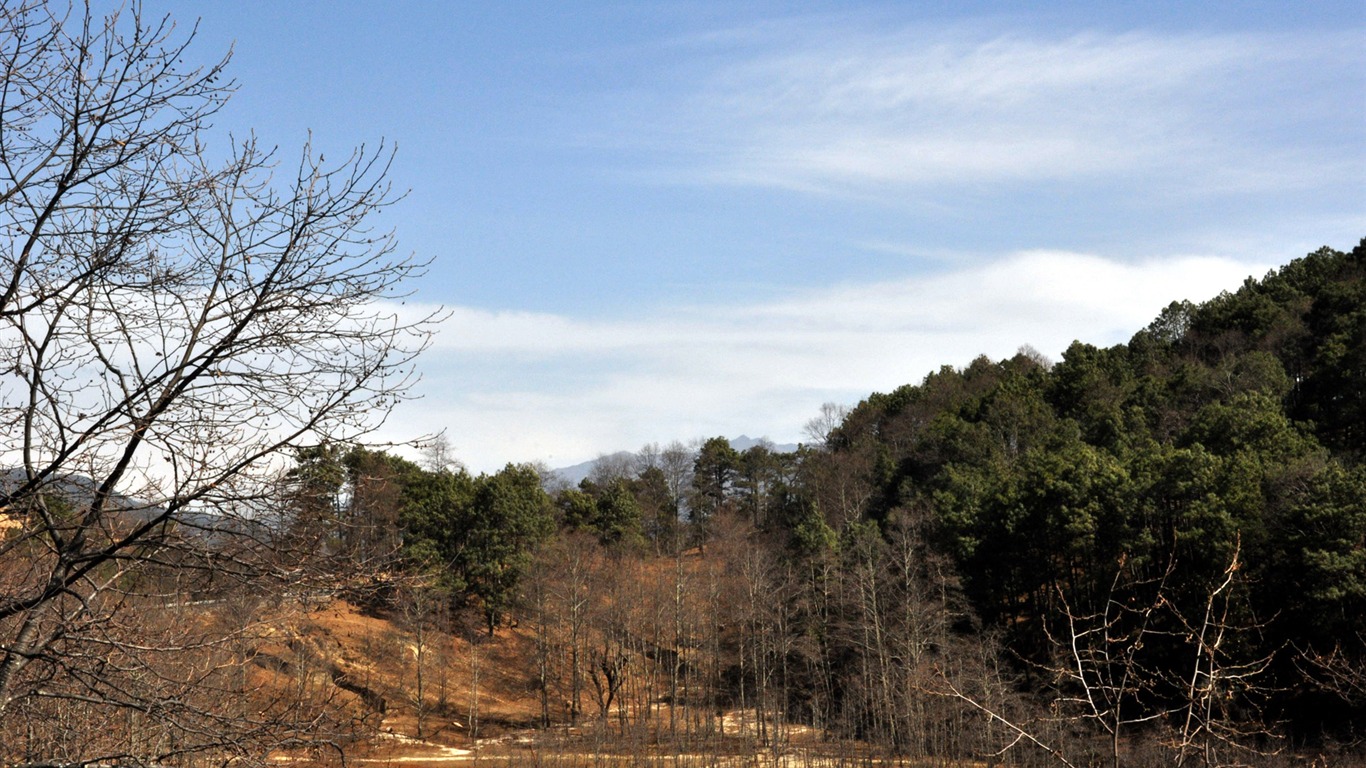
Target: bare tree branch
174,324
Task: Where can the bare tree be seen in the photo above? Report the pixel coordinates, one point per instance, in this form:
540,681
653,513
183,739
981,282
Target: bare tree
422,613
175,320
1201,715
438,455
1103,676
674,460
1107,680
1209,728
608,468
820,428
1337,671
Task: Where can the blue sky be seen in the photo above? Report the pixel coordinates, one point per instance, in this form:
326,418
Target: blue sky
671,220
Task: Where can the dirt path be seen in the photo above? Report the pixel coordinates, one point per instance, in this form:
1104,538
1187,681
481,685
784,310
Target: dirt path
411,750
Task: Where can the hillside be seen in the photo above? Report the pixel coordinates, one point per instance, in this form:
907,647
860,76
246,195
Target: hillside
1092,521
1141,555
481,693
478,692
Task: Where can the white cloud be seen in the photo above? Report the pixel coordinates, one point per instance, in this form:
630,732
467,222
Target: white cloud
832,107
522,386
1134,135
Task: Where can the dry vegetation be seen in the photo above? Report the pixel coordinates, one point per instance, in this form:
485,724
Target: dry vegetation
367,660
509,733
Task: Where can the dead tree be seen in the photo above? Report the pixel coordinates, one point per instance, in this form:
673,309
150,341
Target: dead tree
1104,679
1101,671
1208,729
175,320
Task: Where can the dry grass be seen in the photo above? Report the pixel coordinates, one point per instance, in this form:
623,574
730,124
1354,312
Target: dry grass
374,652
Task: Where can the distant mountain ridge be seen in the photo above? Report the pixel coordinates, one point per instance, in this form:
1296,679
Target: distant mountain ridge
73,488
576,473
78,490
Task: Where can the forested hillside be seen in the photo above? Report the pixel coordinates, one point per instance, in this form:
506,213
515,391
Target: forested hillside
1168,534
1145,554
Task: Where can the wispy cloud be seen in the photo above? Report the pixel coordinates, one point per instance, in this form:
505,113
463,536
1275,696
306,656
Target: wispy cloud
835,107
523,386
1137,135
